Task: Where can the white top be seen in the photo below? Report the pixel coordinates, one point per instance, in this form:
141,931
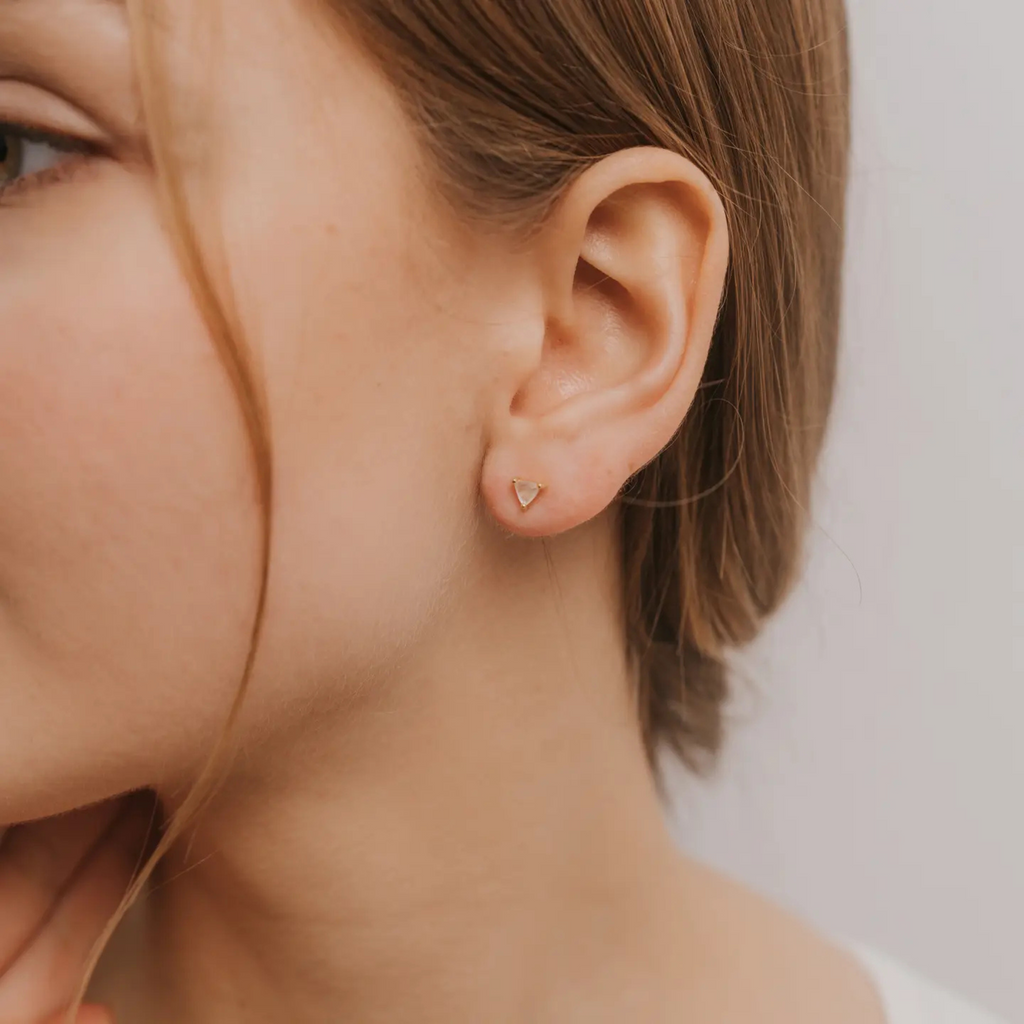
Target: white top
909,998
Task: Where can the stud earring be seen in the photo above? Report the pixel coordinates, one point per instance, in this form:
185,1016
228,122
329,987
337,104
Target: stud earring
526,491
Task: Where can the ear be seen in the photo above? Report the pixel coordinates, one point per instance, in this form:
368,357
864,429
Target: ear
631,265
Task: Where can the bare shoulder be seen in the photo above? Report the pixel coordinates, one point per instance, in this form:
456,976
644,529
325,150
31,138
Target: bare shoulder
749,959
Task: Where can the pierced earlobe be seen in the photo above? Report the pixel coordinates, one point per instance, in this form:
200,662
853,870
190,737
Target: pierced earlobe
527,491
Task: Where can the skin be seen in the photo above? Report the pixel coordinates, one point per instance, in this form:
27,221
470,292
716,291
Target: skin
442,810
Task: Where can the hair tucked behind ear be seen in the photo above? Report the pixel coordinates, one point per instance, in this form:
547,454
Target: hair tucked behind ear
512,100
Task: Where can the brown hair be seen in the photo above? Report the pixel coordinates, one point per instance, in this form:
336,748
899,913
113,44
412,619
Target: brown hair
514,99
511,100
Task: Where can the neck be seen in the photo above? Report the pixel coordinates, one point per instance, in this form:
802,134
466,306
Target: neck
480,841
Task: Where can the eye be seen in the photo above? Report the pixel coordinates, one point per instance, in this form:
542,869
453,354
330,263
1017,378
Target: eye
28,156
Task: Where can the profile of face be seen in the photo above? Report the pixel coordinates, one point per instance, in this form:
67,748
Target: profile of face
407,362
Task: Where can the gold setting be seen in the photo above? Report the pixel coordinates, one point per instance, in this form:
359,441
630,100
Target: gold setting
526,491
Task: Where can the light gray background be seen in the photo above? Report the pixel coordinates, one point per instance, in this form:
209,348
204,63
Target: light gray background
874,781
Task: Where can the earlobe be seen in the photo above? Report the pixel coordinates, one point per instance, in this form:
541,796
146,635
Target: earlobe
632,271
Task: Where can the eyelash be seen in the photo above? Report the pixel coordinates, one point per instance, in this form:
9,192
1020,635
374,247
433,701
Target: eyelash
75,151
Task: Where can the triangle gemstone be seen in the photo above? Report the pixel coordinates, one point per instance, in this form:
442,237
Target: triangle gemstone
526,492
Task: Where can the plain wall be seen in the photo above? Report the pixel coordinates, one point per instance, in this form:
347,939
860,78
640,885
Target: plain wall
874,781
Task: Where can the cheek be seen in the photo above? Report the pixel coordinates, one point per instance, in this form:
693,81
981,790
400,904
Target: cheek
128,521
371,383
375,449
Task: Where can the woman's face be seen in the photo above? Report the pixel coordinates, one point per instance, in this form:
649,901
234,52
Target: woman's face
129,520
